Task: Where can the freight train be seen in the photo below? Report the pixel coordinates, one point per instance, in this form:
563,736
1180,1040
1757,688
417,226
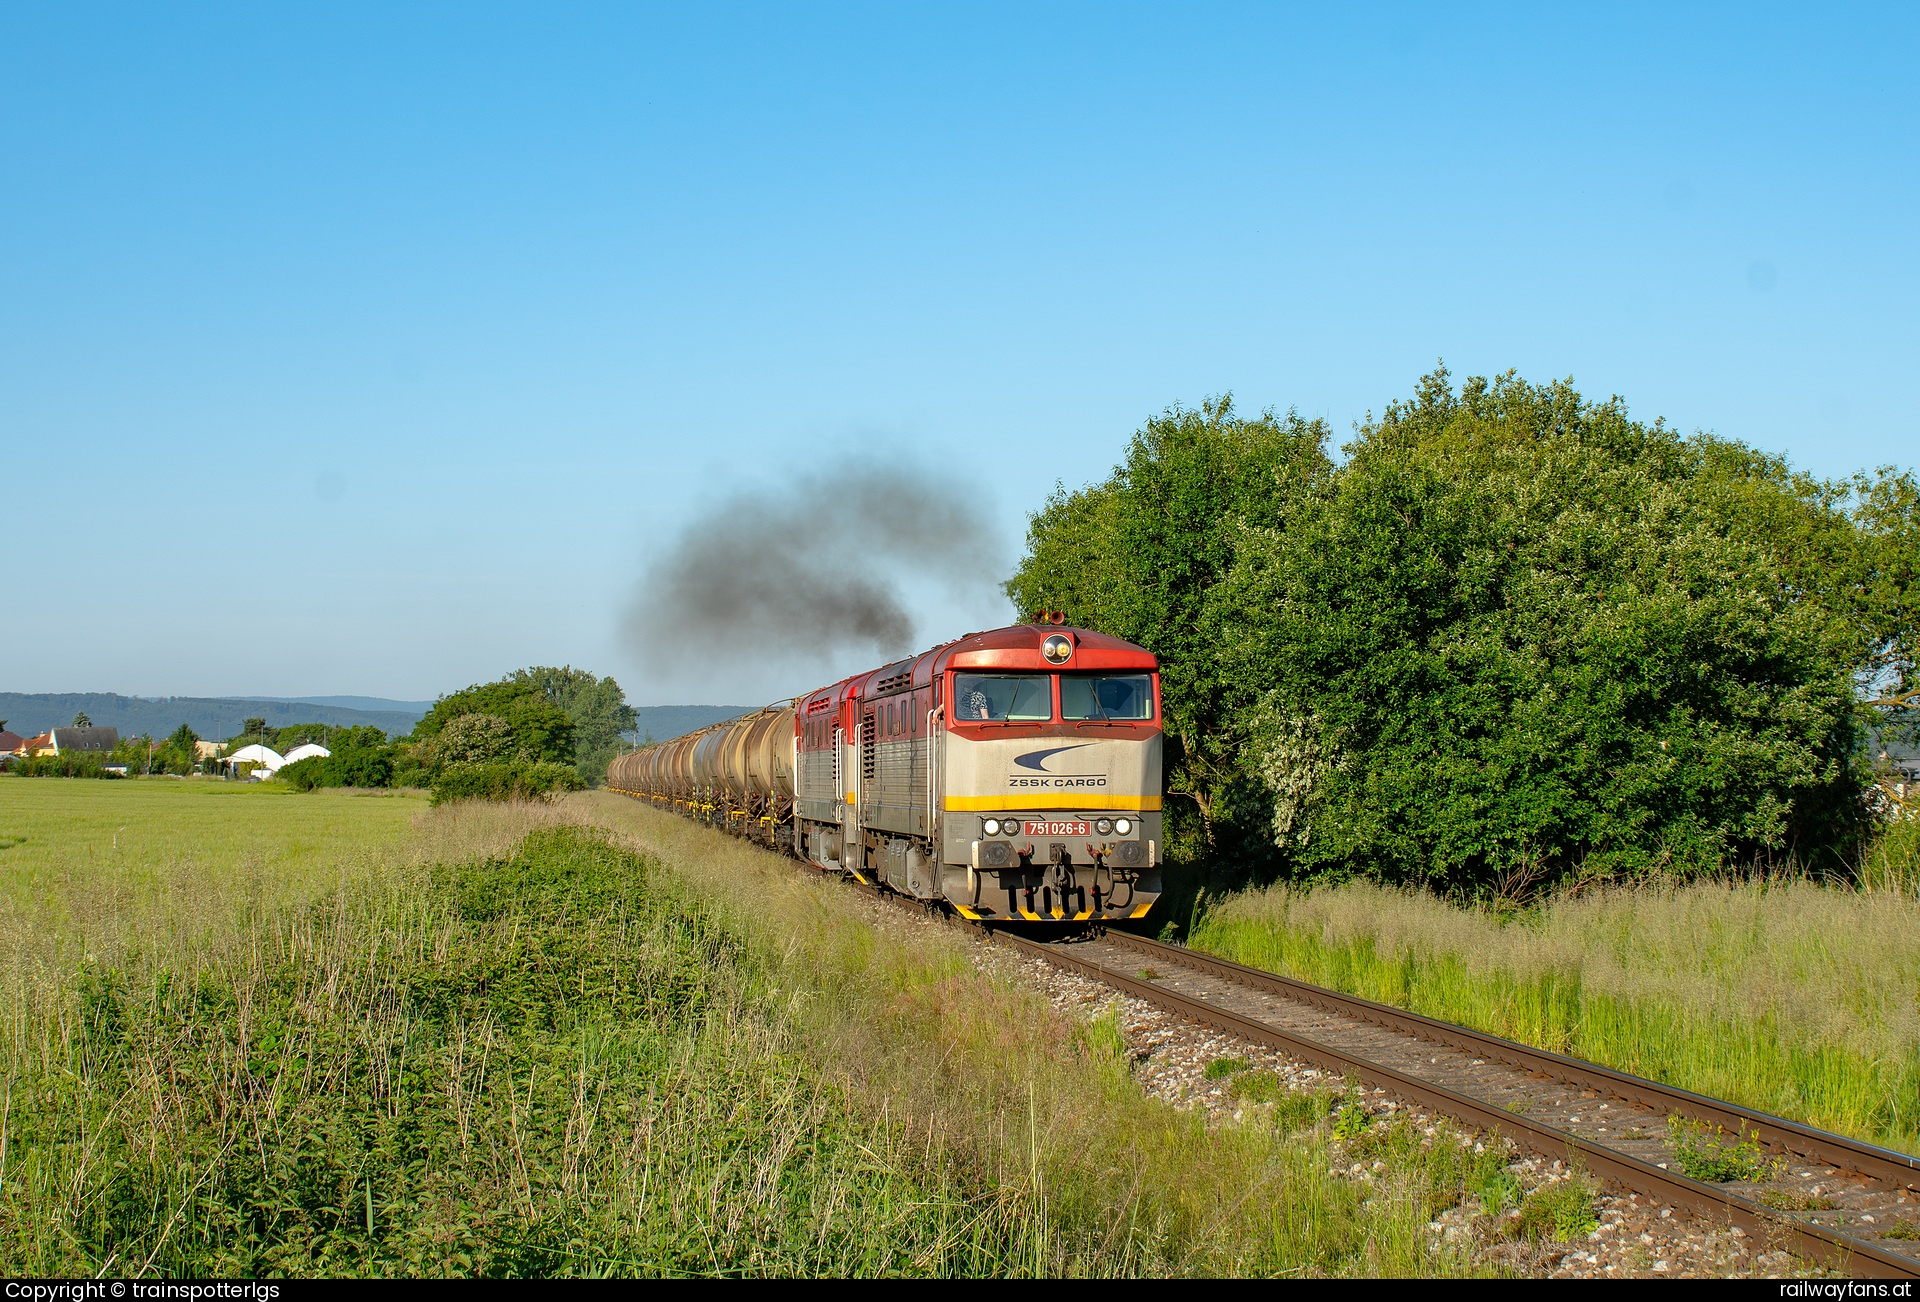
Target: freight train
1013,774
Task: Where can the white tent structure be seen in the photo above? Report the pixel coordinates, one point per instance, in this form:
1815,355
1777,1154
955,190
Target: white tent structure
306,751
266,757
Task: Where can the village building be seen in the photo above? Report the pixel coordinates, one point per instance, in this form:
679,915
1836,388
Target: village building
265,760
67,741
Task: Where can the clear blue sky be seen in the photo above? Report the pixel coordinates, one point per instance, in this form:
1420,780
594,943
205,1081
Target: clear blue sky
370,350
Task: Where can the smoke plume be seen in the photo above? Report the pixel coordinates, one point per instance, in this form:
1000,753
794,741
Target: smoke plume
804,575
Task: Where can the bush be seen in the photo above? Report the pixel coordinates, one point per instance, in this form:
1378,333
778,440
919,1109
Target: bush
505,779
1715,1156
85,764
365,767
308,774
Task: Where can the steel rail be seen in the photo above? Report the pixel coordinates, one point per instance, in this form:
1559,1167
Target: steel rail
1816,1146
1840,1251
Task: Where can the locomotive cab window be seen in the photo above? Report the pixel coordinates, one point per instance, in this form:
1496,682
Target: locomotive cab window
1107,696
1010,698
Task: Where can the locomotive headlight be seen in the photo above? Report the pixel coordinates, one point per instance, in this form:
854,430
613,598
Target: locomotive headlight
991,827
1057,648
1103,826
1124,826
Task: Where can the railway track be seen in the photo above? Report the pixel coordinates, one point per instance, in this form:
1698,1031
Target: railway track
1848,1205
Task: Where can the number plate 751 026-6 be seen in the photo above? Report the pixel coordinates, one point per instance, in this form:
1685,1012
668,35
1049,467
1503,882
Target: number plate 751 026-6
1060,827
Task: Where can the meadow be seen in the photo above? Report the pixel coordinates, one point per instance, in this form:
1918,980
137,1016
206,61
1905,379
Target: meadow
1796,996
586,1038
157,864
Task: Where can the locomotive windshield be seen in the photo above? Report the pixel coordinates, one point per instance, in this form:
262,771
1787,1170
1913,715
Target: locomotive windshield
1002,696
1107,696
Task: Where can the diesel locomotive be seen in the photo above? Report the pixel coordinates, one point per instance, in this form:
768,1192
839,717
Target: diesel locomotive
1013,774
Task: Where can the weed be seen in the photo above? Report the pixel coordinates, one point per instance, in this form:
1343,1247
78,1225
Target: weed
1298,1111
1901,1228
1258,1087
1354,1121
1563,1209
1714,1156
1104,1038
1397,1141
1785,1200
1496,1187
1151,974
1221,1068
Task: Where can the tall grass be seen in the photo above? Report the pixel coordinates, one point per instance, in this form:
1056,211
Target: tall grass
919,1031
508,1045
1799,998
1892,861
535,1066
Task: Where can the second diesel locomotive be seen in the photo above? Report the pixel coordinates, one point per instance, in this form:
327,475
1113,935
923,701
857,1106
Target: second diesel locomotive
1015,774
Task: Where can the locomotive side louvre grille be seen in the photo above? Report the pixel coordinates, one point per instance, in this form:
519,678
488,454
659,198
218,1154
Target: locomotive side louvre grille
893,677
868,735
893,798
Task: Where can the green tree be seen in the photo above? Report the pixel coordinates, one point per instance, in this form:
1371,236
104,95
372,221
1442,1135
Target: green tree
82,721
1516,635
596,706
1142,555
1885,509
1526,636
536,728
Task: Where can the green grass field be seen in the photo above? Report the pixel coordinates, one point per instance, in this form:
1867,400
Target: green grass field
98,867
1796,997
297,1034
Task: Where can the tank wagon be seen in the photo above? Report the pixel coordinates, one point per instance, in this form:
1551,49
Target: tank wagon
1014,774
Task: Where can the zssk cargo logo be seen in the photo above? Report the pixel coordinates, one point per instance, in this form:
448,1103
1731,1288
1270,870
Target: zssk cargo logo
1035,761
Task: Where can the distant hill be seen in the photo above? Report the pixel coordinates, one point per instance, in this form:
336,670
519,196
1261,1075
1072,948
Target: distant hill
373,704
661,722
219,717
215,718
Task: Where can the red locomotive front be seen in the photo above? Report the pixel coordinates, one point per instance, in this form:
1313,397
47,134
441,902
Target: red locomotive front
1015,773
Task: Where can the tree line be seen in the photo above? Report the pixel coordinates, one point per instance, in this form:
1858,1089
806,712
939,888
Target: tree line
537,730
1513,637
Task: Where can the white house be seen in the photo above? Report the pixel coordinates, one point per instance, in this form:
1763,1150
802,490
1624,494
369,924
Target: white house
268,759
